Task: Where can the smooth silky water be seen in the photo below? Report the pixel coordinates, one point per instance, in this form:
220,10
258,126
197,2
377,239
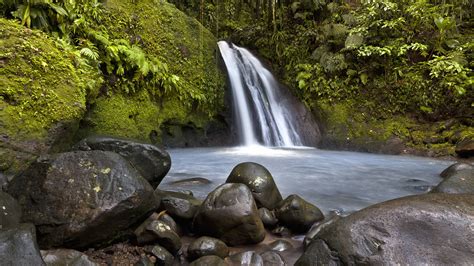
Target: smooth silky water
332,180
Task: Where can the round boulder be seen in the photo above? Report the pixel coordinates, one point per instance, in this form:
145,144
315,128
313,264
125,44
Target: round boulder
205,246
78,199
425,229
260,182
151,162
460,182
230,214
10,211
298,214
455,168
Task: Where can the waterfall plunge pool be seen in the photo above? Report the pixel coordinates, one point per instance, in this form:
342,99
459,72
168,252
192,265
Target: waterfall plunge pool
332,180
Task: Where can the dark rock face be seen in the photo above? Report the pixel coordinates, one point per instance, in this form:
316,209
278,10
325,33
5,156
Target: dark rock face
154,231
272,258
268,217
460,182
465,148
260,182
298,214
209,261
18,246
82,198
10,211
246,258
422,229
151,162
318,253
178,205
230,214
163,257
205,246
60,257
455,168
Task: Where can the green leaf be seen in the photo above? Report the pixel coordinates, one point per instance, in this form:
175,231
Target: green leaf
364,78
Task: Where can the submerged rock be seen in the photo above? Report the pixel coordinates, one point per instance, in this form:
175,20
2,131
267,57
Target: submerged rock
205,246
10,211
455,168
229,213
61,257
298,214
460,182
151,162
82,198
260,182
18,246
423,229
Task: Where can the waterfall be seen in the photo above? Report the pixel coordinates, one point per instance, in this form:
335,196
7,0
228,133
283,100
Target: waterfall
263,116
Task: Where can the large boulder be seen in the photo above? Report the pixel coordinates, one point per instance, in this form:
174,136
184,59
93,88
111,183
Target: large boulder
298,214
460,182
260,182
455,168
465,148
151,162
18,246
61,257
10,211
230,213
414,230
82,198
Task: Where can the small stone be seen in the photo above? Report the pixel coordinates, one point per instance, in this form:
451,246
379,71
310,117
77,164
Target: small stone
205,246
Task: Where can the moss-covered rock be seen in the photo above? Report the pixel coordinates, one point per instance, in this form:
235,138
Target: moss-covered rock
42,95
347,127
188,49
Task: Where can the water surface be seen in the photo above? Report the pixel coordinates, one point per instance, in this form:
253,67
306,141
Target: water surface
332,180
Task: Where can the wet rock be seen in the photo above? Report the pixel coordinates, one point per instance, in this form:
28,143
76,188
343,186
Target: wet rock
163,257
272,258
318,253
280,245
465,148
246,258
433,228
192,181
298,214
18,246
268,217
155,231
171,223
209,261
178,205
10,211
281,231
151,162
317,227
145,261
230,214
205,246
78,199
60,257
460,182
260,182
455,168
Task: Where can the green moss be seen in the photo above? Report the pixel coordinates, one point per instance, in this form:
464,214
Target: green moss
188,49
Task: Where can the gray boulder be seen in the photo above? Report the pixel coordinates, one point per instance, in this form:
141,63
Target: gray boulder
230,214
151,162
455,168
69,257
458,183
78,199
205,246
424,229
260,182
10,211
297,214
18,246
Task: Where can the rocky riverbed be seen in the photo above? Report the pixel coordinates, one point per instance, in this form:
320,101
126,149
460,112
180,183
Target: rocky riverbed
99,204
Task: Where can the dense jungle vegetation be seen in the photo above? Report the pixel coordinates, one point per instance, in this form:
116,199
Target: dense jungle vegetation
370,60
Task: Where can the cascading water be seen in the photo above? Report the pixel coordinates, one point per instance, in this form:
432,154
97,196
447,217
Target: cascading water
263,117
